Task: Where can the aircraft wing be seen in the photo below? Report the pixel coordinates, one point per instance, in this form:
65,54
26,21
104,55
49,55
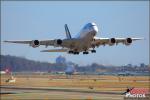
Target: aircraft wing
104,41
22,42
55,50
43,42
55,42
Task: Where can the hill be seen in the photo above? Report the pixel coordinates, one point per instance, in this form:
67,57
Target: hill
22,64
18,64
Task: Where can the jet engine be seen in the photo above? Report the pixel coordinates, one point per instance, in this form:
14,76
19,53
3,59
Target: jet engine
35,43
112,41
128,41
59,42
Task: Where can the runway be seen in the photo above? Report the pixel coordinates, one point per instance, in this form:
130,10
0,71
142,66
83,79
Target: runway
57,89
9,92
78,88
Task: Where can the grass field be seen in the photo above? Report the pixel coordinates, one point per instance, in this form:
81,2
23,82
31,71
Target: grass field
78,82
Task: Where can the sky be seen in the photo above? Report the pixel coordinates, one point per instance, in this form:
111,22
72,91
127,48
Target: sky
29,20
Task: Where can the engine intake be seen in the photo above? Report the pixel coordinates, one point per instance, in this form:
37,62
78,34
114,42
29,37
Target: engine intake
128,41
112,41
35,43
59,42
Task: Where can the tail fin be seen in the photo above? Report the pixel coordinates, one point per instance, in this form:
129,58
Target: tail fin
68,35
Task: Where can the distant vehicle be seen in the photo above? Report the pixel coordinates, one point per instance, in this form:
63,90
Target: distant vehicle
11,80
125,74
2,72
84,42
6,71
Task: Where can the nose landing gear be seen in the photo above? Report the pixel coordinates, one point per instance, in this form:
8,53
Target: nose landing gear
73,52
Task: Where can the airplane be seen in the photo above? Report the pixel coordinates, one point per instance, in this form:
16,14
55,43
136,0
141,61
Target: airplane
70,70
84,41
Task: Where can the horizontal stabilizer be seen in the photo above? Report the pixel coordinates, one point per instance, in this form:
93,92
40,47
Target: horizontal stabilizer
23,42
55,50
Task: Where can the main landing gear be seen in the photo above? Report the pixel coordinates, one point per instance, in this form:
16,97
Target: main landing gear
77,53
70,52
85,52
93,51
73,52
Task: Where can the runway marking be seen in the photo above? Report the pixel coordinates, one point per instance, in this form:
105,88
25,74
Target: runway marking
60,90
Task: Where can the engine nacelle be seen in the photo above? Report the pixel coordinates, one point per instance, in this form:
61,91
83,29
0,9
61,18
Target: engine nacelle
128,41
58,41
112,41
35,43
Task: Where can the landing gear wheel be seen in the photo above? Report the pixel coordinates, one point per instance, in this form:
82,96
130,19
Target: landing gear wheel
93,51
70,52
76,53
85,52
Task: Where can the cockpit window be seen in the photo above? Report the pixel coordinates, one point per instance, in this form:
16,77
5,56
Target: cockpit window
89,25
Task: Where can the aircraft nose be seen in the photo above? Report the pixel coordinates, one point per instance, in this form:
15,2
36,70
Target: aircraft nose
93,23
95,29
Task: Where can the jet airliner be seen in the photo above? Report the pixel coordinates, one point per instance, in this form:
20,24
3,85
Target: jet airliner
84,42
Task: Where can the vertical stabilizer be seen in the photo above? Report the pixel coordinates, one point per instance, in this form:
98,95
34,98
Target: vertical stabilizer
68,35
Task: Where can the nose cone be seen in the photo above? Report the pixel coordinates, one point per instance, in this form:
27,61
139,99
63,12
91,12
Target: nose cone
93,24
95,29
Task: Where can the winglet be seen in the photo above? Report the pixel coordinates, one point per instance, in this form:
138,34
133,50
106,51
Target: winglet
68,35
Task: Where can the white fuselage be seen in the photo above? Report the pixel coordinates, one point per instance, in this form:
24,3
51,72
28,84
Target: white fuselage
86,36
88,31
